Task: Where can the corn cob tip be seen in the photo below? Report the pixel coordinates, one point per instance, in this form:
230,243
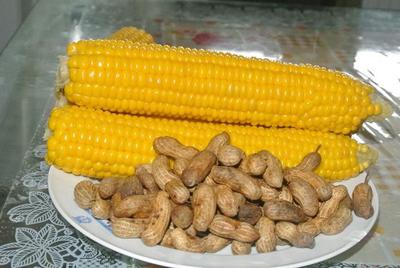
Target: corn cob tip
379,109
366,156
62,76
47,134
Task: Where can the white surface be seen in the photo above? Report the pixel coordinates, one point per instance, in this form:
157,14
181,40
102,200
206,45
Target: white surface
61,186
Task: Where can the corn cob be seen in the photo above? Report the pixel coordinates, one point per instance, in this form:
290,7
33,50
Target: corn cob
151,79
101,144
132,34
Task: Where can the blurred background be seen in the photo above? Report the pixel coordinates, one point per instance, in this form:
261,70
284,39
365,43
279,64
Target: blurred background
13,12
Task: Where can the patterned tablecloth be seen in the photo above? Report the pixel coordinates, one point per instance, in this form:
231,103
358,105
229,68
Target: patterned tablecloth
364,43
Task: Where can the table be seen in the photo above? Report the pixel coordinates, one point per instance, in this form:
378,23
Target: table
363,43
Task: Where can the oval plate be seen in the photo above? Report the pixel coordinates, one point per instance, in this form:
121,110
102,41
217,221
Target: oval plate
61,187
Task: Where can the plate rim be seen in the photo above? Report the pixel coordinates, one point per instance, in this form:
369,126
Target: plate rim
120,250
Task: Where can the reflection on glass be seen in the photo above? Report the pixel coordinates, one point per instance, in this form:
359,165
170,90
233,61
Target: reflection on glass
381,67
76,33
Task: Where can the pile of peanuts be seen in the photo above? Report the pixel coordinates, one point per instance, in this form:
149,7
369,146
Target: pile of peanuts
220,196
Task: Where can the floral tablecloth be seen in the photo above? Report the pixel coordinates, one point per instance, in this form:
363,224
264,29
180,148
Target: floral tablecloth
363,43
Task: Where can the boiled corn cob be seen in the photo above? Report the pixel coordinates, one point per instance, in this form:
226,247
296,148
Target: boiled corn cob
101,144
152,79
132,34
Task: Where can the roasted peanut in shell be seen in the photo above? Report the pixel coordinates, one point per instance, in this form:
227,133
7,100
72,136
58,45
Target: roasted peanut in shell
182,216
273,175
85,194
237,180
362,201
240,248
232,229
198,168
337,222
204,205
171,147
159,221
280,210
305,195
229,155
288,231
267,241
249,213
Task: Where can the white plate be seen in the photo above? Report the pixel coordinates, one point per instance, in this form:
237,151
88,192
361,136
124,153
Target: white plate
61,186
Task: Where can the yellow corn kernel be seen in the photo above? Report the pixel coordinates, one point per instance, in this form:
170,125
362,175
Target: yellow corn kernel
92,142
132,34
152,79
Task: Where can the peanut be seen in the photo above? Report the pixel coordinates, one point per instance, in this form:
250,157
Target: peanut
312,227
115,201
281,242
244,165
328,208
101,208
280,210
323,188
134,205
285,195
144,175
267,192
305,195
249,213
159,221
85,194
204,206
167,239
217,142
257,163
182,241
173,148
362,200
146,167
214,243
177,191
180,164
191,230
310,162
273,175
127,227
267,241
229,155
288,231
161,171
163,176
199,167
208,180
240,248
239,198
237,180
182,216
109,186
226,201
347,202
130,186
229,228
337,222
